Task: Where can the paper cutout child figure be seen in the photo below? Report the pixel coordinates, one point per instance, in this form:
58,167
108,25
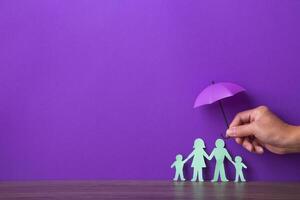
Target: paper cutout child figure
220,153
178,164
198,161
239,165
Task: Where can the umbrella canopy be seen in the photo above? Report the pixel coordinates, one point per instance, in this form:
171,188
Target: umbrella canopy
216,92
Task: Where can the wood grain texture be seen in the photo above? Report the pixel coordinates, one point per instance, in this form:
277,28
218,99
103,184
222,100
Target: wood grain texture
91,190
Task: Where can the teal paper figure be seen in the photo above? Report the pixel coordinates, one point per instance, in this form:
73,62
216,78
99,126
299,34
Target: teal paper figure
178,164
239,165
198,161
220,153
198,154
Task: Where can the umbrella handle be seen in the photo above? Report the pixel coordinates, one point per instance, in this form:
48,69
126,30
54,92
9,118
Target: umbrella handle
224,137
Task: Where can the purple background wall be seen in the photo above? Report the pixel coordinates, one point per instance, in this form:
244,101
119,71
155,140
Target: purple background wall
105,89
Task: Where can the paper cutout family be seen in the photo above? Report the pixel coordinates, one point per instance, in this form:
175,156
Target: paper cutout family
198,163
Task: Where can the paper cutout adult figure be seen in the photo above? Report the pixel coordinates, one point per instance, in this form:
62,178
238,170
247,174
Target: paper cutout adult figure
239,165
178,164
198,155
220,153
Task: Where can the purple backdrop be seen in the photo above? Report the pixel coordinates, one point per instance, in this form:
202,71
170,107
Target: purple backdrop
105,89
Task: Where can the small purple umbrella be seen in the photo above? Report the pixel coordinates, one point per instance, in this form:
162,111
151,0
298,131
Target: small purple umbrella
215,93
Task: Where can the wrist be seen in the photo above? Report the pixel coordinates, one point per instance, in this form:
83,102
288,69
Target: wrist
294,137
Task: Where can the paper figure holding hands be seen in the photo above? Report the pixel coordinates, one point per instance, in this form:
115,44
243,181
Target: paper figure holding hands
178,164
198,163
220,153
239,165
198,155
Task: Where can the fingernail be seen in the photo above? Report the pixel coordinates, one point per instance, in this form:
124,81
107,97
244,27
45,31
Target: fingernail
231,131
249,148
259,149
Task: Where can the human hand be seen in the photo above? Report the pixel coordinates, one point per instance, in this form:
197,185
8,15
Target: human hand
259,128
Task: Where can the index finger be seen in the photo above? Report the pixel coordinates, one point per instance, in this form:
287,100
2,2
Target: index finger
241,118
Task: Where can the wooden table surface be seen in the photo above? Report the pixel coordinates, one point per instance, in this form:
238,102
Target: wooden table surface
147,190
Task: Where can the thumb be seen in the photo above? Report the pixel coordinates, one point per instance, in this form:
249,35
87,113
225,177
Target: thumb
240,131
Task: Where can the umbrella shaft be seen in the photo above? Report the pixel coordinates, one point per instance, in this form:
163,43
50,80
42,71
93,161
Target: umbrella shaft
223,113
